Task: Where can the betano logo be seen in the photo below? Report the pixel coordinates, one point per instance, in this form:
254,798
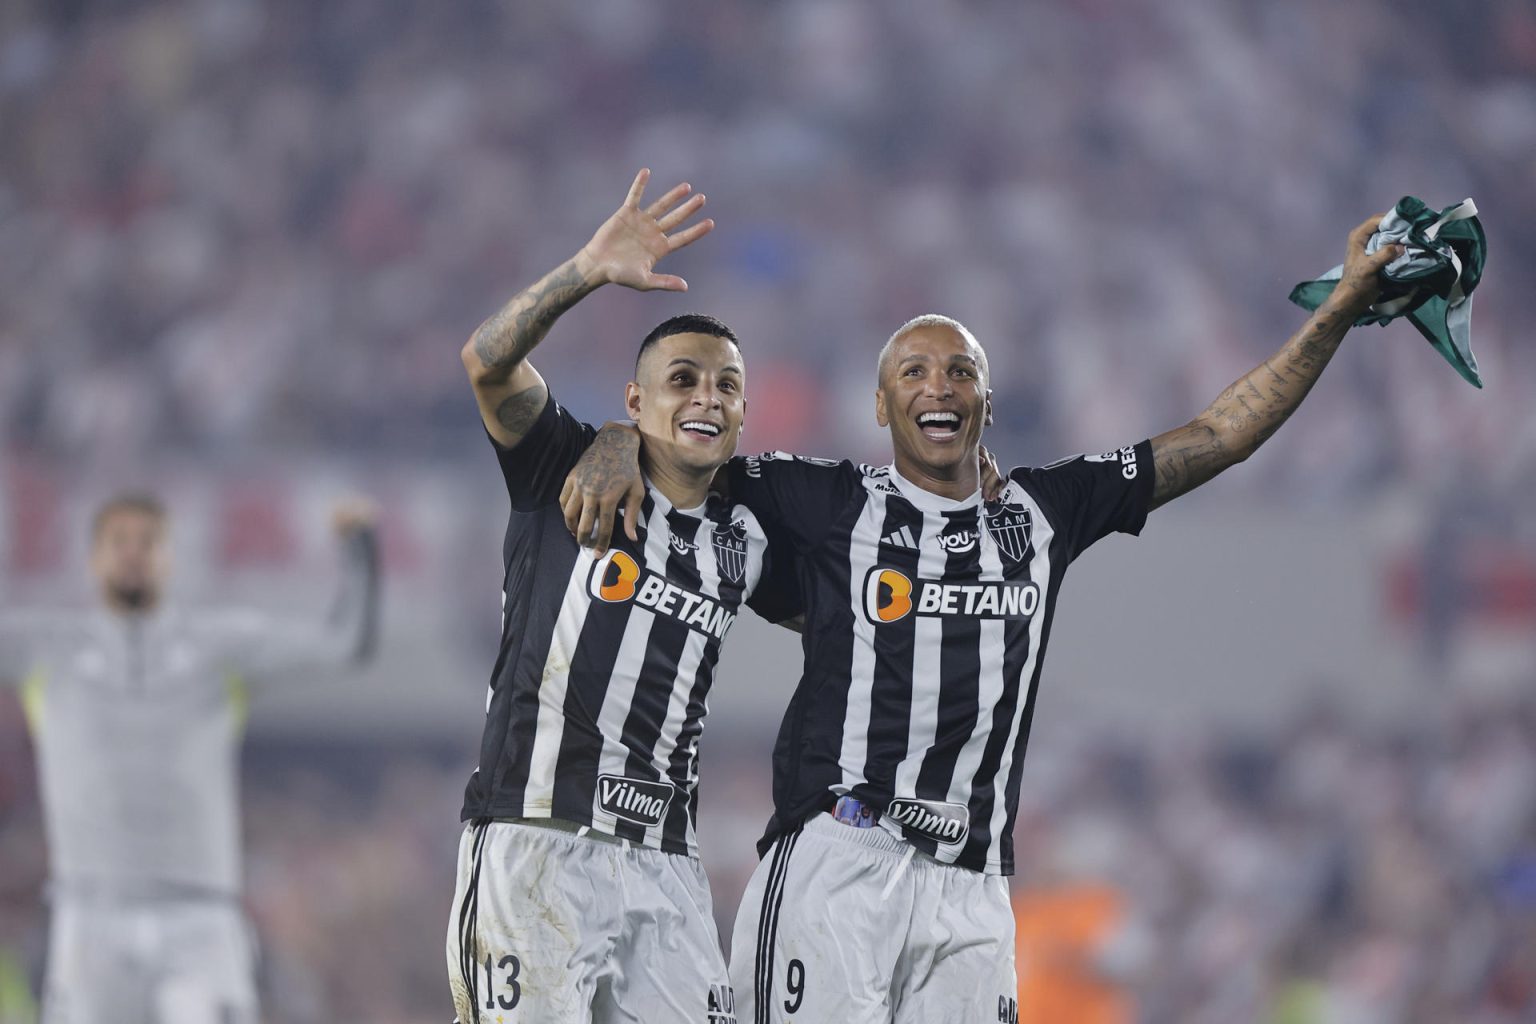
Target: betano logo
890,596
616,577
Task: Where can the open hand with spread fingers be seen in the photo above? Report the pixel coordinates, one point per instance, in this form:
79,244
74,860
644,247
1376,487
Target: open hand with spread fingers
630,243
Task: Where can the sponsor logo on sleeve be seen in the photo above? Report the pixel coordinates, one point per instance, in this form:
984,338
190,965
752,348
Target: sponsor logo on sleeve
638,800
1125,456
945,823
755,462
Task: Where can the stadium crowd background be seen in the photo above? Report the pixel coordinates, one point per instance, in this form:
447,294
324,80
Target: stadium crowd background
243,241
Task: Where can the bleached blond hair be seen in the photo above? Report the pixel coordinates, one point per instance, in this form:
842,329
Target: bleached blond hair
934,320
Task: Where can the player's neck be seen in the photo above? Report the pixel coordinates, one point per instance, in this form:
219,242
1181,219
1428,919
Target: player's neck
683,486
956,482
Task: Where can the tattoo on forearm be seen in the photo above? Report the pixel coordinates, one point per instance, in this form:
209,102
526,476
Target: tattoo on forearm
517,413
1248,413
508,336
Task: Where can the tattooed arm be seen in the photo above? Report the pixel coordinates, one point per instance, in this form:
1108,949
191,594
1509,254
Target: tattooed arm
1252,409
624,250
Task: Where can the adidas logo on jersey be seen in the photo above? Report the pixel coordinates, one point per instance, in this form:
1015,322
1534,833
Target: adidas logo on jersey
633,799
890,596
943,822
617,577
901,538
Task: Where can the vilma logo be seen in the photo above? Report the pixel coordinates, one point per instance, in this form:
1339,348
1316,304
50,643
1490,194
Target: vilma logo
939,820
634,800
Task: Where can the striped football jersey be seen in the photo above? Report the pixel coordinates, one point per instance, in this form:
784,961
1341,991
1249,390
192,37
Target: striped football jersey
926,622
599,692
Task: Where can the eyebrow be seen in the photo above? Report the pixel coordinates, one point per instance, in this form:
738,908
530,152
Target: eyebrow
961,356
685,361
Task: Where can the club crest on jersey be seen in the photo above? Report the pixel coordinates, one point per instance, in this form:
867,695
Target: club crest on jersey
943,822
958,541
730,545
617,578
1009,526
638,800
891,595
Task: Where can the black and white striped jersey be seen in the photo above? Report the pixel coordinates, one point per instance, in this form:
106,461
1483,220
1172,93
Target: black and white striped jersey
601,684
926,622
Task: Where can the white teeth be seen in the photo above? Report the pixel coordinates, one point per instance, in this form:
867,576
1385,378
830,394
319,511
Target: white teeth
701,427
938,419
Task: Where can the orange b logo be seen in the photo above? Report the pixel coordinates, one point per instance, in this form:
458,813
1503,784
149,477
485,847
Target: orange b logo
623,571
896,591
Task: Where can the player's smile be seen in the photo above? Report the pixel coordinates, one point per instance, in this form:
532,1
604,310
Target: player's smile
701,430
940,426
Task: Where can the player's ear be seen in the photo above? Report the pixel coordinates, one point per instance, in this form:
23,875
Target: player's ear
632,400
881,416
988,420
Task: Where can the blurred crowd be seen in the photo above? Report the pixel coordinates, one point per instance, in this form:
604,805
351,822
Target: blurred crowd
1333,870
1337,870
227,224
231,229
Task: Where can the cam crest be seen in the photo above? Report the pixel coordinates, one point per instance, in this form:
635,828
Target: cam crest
730,547
1009,526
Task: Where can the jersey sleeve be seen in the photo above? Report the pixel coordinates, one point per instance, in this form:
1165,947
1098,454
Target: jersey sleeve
777,596
1088,497
535,469
797,499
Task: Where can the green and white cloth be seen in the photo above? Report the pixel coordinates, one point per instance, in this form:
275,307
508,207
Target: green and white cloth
1431,283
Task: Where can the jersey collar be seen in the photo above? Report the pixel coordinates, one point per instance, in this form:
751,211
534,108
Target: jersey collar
927,500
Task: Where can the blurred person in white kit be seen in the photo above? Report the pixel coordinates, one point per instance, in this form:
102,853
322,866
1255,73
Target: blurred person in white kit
136,709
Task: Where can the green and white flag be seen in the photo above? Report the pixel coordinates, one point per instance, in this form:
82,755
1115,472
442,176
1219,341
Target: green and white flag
1431,283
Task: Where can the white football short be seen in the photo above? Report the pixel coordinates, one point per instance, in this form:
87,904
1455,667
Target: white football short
552,927
844,925
149,961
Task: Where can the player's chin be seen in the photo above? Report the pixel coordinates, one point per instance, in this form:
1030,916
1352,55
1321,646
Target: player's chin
705,458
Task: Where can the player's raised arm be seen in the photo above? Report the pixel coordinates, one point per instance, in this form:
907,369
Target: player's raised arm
510,392
267,646
1253,408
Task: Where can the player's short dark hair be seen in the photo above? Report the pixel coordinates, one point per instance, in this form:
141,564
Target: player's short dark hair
687,323
128,501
